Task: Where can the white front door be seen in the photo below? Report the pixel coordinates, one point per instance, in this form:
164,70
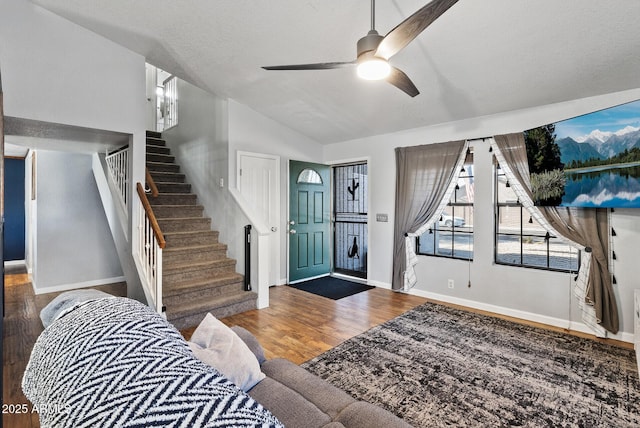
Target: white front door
259,183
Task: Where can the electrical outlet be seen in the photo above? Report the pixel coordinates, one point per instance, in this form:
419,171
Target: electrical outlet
450,283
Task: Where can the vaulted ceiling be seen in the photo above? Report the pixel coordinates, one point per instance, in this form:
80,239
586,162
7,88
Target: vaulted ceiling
479,58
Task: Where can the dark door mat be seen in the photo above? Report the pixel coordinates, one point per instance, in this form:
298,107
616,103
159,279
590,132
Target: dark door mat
331,287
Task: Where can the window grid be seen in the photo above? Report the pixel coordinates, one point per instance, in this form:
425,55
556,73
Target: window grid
452,235
521,241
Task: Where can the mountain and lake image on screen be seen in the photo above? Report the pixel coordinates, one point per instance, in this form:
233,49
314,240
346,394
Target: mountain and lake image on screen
588,161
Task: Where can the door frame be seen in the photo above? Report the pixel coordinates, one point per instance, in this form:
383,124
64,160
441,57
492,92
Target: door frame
331,164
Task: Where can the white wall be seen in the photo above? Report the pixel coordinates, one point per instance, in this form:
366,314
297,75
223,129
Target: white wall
252,132
200,144
59,72
209,134
526,293
75,247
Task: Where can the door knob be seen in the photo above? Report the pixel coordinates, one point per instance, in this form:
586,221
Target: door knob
274,229
292,222
292,231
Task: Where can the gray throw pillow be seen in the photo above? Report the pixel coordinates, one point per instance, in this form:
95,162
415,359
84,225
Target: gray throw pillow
66,301
250,340
218,346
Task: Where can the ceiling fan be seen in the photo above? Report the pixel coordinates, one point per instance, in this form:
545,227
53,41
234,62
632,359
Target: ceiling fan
374,50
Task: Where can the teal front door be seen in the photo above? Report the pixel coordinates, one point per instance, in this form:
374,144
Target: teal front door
309,220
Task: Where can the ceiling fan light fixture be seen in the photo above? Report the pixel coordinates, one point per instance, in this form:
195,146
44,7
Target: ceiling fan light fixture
373,69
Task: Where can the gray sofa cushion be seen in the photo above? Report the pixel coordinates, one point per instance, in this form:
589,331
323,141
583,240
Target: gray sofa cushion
366,415
325,396
291,408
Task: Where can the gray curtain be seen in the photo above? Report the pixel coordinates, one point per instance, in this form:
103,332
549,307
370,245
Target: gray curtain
424,176
586,227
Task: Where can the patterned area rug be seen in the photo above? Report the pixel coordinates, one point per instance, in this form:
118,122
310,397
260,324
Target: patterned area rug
436,366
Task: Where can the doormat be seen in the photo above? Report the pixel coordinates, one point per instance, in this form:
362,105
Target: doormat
331,287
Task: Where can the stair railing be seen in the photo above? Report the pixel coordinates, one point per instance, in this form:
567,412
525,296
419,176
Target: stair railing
150,245
153,189
118,163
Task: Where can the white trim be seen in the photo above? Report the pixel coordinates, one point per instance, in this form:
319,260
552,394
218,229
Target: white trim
85,284
379,284
528,316
350,278
8,263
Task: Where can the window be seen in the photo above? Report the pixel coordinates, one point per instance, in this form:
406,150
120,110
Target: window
452,234
521,241
309,176
170,102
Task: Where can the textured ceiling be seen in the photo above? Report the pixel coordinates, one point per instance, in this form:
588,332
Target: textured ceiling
479,58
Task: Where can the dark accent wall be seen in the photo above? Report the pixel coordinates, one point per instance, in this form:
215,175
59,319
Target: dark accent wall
14,236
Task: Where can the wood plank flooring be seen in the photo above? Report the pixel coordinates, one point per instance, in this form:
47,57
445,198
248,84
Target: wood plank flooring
297,326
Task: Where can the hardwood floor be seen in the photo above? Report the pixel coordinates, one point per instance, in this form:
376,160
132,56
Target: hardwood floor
297,326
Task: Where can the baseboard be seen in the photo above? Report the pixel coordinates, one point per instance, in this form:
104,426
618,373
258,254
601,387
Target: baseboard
379,284
86,284
515,313
15,263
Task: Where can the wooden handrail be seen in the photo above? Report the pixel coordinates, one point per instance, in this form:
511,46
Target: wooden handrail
152,218
151,183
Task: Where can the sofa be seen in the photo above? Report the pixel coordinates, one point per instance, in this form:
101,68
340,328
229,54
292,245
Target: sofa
111,361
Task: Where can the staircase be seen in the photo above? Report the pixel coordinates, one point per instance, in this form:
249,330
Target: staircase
198,277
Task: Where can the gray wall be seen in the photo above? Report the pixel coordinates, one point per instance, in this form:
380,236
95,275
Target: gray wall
74,244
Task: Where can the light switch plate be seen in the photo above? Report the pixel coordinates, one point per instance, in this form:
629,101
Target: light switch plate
382,217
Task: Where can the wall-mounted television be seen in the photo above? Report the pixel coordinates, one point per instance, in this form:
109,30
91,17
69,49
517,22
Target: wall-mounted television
588,161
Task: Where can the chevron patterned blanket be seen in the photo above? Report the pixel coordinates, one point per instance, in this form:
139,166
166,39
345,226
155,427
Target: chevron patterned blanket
115,363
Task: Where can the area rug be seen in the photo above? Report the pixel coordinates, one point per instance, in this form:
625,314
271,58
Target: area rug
332,287
435,366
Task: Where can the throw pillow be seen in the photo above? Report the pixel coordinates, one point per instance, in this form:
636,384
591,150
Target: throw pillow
218,346
66,302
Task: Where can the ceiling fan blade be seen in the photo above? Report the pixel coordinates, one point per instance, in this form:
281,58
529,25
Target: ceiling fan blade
401,81
411,27
319,66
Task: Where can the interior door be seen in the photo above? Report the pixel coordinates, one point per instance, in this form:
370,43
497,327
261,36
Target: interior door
309,220
259,183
